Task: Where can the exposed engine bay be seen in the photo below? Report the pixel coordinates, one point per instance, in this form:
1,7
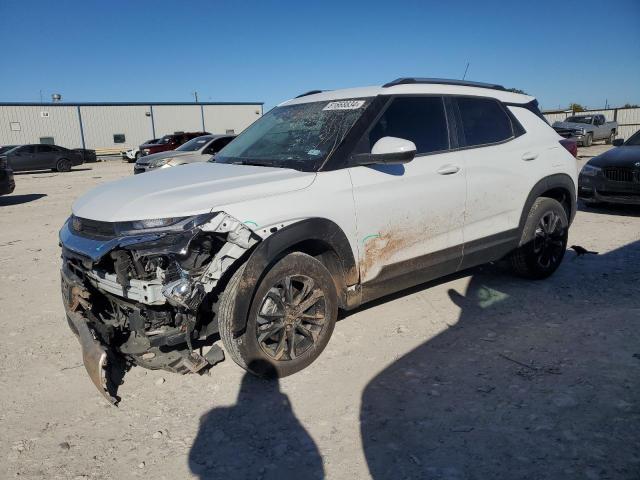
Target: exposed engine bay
144,293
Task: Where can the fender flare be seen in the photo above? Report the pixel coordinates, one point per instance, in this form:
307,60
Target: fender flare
270,250
558,180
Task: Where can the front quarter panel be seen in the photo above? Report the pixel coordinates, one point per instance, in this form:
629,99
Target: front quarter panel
329,196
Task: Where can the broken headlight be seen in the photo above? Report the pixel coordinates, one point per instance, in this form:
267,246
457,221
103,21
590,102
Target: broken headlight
136,227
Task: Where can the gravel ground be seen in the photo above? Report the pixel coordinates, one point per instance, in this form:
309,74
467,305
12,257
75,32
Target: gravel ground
478,376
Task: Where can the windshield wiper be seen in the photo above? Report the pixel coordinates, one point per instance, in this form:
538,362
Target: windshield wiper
254,163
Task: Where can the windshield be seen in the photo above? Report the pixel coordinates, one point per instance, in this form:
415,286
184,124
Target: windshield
579,120
298,136
634,139
194,144
6,148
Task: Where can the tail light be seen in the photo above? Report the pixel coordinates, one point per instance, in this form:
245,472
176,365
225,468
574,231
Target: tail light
570,145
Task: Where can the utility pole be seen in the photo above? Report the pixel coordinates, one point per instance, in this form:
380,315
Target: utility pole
195,94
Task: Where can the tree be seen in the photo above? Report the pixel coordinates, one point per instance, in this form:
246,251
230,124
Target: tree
576,107
629,105
517,90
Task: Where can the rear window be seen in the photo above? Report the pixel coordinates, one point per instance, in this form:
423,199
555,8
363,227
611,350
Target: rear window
419,119
484,121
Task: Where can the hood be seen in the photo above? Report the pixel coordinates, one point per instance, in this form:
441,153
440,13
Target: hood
624,156
162,155
187,190
570,125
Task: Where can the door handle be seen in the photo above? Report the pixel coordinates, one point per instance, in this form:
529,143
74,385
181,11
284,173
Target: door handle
448,169
528,156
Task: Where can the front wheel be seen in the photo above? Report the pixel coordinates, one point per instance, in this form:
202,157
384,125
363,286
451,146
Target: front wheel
63,165
544,240
588,140
290,321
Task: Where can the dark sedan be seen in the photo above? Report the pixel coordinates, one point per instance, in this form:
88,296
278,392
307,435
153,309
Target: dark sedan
40,157
614,176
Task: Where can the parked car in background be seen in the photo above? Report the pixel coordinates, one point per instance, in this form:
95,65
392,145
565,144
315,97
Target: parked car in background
88,155
587,128
6,148
132,154
199,149
614,176
40,157
328,201
7,182
169,142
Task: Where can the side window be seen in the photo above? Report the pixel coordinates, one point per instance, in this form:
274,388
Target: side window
483,121
220,144
27,149
419,119
45,149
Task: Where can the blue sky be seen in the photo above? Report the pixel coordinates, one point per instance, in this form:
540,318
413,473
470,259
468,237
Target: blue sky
560,51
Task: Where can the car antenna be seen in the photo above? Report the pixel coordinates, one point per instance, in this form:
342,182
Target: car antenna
465,71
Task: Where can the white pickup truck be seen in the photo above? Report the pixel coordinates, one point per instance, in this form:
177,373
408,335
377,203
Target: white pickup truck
586,129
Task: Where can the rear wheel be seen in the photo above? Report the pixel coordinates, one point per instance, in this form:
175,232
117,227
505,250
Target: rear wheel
63,165
290,321
544,240
611,138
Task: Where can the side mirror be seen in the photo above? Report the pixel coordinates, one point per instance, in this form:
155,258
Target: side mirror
618,142
388,151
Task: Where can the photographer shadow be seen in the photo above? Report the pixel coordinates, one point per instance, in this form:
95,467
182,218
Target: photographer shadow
535,380
257,438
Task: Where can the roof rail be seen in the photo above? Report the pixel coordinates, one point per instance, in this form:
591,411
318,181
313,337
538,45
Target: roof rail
310,92
442,81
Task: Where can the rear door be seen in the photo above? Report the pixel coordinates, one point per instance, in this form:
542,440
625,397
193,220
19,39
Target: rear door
602,129
410,217
501,167
46,156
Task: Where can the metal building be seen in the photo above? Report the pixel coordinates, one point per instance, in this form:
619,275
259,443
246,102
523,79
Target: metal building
113,127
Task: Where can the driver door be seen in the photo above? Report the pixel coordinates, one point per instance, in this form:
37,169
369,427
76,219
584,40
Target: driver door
24,158
410,217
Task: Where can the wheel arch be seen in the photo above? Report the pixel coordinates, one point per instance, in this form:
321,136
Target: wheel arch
318,237
560,187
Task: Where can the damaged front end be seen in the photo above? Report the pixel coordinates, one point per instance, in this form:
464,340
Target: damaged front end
144,293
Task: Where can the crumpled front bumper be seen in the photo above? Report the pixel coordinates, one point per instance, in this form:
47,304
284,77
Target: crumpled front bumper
95,356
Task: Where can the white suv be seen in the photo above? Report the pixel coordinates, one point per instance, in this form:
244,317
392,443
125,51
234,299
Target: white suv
330,200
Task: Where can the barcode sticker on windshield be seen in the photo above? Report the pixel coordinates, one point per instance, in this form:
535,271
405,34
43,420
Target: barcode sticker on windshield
344,105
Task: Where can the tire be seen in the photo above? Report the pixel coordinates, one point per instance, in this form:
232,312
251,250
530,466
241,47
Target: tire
543,242
63,165
588,140
611,138
295,341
